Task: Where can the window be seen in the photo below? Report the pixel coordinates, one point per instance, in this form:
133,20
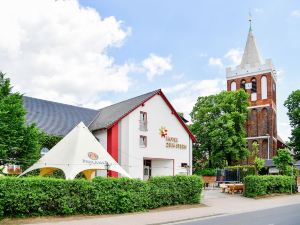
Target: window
143,121
233,86
243,84
253,88
264,88
143,141
184,165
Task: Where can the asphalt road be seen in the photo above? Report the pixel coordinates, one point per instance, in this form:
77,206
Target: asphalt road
286,215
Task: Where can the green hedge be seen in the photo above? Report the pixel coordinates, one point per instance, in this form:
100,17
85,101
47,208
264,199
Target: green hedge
206,172
22,197
263,185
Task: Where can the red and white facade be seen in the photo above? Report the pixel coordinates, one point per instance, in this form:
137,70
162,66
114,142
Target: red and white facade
150,140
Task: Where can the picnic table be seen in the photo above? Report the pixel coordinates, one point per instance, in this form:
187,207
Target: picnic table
232,188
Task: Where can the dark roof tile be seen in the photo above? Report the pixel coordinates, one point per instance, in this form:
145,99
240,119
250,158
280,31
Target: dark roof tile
110,114
56,118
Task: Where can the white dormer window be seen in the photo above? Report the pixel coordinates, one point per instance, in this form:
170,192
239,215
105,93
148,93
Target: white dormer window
143,121
143,141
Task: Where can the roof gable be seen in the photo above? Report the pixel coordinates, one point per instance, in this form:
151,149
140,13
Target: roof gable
109,115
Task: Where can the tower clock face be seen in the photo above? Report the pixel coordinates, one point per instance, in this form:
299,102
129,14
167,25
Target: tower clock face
248,86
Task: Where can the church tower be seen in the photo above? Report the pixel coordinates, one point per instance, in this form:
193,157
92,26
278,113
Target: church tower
258,78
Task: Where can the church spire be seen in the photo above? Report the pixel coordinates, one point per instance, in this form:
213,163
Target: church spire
250,22
251,54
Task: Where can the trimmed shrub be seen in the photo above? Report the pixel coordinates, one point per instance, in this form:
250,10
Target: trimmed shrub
35,196
264,185
206,172
174,190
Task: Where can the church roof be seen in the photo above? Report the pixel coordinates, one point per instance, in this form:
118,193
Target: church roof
251,54
56,118
252,62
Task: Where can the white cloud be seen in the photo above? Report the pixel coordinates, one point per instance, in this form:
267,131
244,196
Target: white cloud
185,94
176,88
284,130
280,73
156,65
98,104
295,13
215,62
57,50
235,56
232,58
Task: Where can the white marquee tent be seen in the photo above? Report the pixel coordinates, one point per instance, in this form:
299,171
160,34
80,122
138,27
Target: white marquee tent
78,151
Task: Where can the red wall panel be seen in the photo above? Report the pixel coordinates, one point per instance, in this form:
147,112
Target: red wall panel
112,146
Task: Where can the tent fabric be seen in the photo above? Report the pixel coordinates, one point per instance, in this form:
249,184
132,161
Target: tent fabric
79,151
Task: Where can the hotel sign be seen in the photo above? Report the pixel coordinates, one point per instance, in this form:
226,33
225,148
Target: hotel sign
93,159
171,142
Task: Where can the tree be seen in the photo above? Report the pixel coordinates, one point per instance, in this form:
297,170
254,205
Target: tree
258,162
47,140
293,105
219,121
283,161
17,140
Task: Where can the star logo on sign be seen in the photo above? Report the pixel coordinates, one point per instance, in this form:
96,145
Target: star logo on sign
163,132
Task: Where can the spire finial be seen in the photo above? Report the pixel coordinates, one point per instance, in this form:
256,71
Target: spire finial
250,21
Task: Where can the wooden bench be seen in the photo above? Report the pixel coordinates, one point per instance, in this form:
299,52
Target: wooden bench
224,187
235,188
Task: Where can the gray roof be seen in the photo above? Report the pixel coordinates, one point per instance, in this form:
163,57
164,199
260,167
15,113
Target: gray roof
59,119
251,54
56,118
110,114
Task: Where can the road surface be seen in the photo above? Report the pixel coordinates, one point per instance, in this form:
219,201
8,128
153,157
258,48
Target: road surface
285,215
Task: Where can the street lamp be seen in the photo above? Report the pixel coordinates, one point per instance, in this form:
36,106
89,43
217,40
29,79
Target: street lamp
107,166
292,175
187,167
268,145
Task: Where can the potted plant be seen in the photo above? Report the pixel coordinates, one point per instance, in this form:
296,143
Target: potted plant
208,175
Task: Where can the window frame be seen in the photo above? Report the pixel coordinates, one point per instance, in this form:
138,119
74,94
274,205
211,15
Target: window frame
143,122
143,141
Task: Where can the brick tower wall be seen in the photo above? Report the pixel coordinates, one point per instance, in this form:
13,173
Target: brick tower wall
261,124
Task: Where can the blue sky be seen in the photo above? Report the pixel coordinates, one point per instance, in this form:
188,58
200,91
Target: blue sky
191,32
95,53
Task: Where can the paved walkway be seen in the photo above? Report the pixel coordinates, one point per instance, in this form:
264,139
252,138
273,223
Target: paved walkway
216,204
